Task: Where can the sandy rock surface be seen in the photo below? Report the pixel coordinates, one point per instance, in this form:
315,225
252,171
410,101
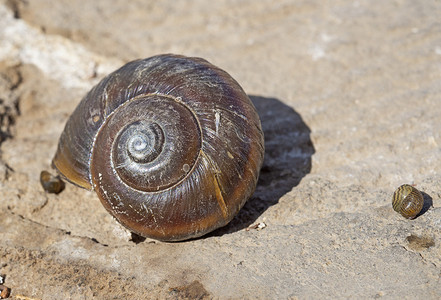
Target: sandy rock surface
349,95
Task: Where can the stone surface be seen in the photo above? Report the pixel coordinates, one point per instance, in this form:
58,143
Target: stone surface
349,97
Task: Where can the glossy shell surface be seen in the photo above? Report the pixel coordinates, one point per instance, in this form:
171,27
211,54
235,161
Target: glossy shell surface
172,145
407,201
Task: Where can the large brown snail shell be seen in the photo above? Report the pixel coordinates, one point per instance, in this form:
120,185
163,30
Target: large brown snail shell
172,145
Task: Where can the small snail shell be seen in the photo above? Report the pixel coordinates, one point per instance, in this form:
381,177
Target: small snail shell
407,201
172,145
50,183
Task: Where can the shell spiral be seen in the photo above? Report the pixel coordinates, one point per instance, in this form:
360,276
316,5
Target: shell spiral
172,145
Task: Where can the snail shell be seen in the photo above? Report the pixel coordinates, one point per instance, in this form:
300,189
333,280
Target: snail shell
172,145
407,201
51,184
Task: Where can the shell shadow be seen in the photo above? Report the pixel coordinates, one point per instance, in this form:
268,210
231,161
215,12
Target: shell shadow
288,152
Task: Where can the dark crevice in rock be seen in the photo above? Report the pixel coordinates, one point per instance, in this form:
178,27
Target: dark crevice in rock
97,242
16,6
137,238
